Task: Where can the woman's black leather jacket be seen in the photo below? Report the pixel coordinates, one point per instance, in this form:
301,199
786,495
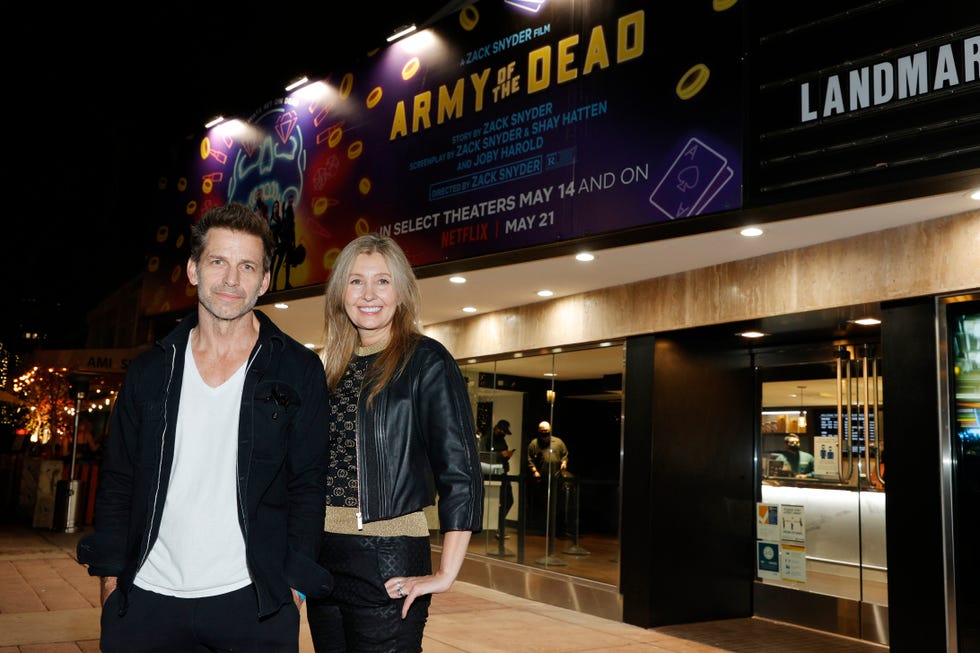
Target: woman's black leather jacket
418,441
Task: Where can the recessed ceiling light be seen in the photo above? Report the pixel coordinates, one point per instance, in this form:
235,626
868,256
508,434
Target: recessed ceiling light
751,232
751,334
975,195
281,305
469,309
545,293
470,360
584,256
550,374
867,321
310,345
457,279
605,344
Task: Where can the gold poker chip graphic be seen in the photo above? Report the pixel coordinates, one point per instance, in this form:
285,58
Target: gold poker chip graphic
722,5
205,147
346,85
336,134
162,233
361,227
469,17
207,185
330,257
364,186
182,184
191,207
374,97
355,149
693,81
153,264
410,68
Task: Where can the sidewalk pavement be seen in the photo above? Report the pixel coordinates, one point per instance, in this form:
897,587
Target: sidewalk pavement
49,604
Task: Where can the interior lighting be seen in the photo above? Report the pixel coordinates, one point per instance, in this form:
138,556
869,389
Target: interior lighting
404,30
801,420
217,120
297,83
469,309
585,257
751,232
867,321
752,334
545,293
281,305
975,195
457,279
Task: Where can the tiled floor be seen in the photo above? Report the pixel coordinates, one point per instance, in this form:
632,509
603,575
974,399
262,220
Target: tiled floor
48,604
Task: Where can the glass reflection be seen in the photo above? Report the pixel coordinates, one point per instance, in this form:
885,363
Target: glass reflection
551,502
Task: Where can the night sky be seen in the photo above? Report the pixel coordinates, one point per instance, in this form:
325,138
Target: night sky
101,101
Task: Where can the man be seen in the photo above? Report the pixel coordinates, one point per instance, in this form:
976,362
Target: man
502,454
209,512
547,457
799,463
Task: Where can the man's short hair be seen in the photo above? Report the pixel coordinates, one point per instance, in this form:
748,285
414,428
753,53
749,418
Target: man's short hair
236,217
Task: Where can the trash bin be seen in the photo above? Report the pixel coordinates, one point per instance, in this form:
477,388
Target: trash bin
68,506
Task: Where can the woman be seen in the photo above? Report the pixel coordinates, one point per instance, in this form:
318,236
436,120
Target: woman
401,430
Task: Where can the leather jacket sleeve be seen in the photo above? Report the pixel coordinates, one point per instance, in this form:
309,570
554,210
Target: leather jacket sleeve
418,440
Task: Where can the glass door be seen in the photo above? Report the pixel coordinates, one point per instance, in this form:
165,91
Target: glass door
566,517
821,512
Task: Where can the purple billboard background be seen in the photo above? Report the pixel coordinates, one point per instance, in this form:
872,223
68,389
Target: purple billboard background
505,125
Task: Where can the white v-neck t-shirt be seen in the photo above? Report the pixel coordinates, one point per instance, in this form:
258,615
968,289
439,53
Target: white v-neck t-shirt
200,550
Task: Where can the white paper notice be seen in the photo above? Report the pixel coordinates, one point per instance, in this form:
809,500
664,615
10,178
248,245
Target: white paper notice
792,562
792,527
825,457
767,521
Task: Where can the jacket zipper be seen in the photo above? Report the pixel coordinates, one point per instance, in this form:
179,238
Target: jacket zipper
163,444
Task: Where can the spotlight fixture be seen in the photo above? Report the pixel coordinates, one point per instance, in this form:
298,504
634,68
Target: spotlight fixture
545,293
469,309
404,30
752,334
751,232
281,305
457,279
217,120
297,83
975,195
867,321
584,257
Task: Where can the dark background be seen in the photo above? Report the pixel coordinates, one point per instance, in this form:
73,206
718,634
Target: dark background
98,100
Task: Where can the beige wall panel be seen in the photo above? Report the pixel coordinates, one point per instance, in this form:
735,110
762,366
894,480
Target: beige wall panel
931,257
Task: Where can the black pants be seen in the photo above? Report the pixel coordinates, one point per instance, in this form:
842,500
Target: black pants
154,623
359,615
506,502
548,498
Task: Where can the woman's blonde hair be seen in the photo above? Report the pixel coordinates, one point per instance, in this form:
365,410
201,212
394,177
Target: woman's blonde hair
341,336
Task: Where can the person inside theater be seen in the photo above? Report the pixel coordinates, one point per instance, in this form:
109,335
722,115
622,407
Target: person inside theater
502,454
401,431
209,508
547,465
798,462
